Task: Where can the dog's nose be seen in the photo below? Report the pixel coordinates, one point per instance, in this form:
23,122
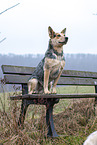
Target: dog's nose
66,38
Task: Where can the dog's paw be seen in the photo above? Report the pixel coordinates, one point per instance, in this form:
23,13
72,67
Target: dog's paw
33,92
54,91
47,92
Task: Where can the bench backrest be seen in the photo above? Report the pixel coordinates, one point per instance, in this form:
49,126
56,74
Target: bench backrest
21,74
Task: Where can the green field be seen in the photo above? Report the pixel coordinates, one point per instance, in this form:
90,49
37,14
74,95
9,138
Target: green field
74,119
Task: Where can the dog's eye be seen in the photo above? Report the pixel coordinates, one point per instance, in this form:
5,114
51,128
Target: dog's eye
59,35
54,35
64,35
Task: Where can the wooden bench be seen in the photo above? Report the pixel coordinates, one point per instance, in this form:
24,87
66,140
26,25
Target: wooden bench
20,75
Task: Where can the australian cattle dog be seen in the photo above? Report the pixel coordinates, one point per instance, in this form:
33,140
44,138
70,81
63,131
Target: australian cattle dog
50,68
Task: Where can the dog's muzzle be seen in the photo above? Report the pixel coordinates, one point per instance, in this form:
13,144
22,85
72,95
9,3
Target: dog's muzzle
64,42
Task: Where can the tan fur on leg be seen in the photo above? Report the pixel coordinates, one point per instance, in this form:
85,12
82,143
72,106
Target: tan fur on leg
46,80
32,86
55,83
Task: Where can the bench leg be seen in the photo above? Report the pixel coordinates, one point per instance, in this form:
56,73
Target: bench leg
24,107
49,120
95,92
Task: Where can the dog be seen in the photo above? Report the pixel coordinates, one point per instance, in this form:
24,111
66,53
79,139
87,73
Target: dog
50,68
91,139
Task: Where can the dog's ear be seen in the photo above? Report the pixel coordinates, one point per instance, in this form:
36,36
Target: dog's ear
51,32
63,31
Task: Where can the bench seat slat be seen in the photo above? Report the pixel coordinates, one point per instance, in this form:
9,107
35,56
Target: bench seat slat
50,96
18,79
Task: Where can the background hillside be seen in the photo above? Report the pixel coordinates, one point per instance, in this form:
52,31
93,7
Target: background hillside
82,62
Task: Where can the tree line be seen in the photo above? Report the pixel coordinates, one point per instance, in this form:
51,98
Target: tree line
81,62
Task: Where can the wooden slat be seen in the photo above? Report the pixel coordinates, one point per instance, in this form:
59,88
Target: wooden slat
16,79
9,69
77,81
80,74
23,79
50,96
22,70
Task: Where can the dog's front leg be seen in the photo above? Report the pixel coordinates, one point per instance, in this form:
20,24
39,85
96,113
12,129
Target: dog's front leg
46,81
55,83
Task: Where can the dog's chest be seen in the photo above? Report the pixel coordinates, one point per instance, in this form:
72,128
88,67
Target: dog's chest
55,66
57,63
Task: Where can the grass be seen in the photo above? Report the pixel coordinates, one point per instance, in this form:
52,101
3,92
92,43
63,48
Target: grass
74,119
75,89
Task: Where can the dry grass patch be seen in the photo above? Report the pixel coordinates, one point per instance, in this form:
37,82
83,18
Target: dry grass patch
75,119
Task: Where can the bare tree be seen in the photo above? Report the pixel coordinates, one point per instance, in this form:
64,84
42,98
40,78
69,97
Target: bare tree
2,40
4,12
9,8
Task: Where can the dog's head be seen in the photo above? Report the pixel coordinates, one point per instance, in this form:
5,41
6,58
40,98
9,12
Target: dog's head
57,39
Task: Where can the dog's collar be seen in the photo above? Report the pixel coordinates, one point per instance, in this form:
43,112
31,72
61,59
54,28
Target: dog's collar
57,53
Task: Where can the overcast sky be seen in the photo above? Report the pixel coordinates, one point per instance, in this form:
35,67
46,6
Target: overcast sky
26,25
